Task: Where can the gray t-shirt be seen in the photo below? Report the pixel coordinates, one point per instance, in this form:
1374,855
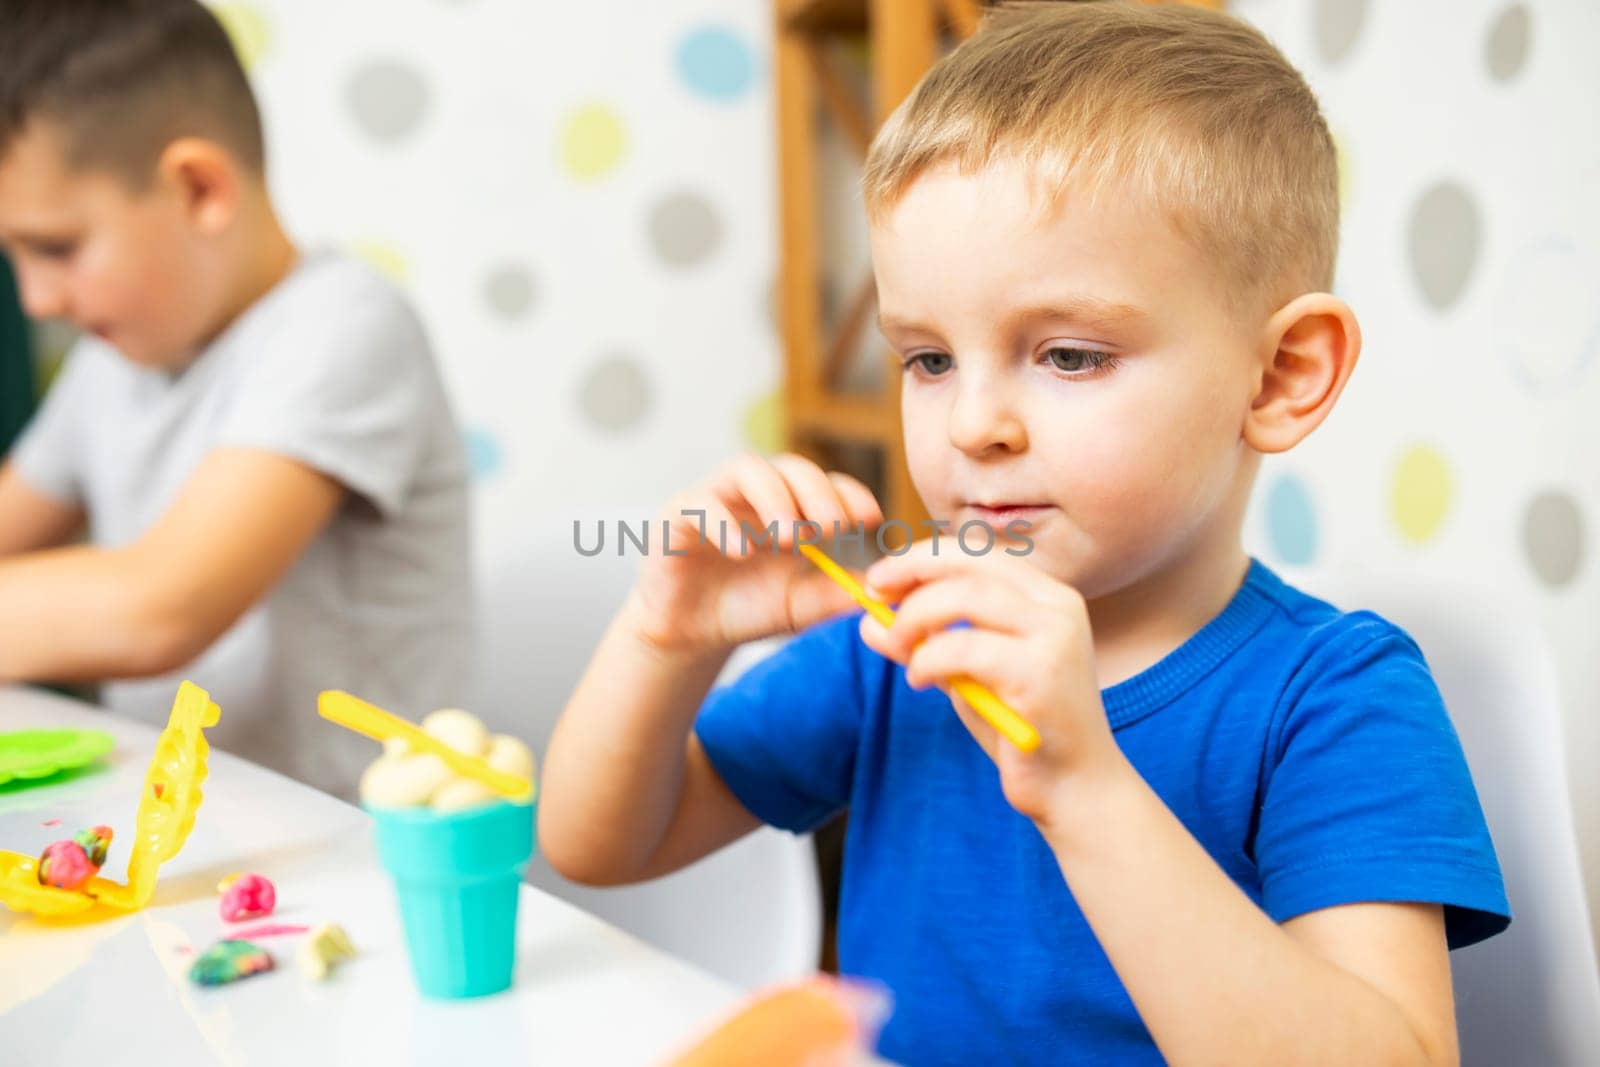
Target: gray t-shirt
331,368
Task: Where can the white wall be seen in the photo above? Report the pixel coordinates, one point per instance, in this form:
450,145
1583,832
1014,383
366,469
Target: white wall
602,315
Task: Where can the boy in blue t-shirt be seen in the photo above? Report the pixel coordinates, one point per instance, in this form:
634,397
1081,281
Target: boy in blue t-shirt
1103,236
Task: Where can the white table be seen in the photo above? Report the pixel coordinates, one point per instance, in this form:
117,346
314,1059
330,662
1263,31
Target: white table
117,992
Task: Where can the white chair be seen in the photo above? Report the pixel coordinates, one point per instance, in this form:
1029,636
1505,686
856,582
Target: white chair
751,913
1532,994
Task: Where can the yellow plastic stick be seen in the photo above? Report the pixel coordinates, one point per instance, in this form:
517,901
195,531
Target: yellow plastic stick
356,714
996,712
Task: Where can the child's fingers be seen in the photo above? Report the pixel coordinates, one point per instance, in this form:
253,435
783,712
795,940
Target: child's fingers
858,500
697,511
721,528
789,488
752,481
815,493
981,654
813,596
986,604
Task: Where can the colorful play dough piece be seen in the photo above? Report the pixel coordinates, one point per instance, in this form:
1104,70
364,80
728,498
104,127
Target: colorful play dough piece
250,896
69,864
267,930
325,947
229,961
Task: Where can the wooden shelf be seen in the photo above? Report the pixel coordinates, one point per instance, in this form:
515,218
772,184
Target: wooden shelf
839,17
903,40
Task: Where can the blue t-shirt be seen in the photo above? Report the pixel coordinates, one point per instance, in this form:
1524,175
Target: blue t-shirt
1307,749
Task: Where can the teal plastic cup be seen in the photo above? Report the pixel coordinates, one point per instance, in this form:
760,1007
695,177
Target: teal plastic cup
458,876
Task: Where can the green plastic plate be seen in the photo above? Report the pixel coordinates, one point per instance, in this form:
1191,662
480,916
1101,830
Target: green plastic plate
41,753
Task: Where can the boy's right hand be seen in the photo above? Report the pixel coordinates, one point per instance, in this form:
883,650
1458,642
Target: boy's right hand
702,599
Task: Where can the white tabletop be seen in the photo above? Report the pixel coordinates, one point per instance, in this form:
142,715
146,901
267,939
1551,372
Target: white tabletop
117,991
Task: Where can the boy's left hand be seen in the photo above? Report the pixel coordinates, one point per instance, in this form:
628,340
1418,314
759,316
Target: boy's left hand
1028,641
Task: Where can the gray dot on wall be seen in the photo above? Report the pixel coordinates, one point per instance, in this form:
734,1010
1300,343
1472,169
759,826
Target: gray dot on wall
1552,536
615,394
1336,26
387,98
1507,47
510,291
684,229
1445,237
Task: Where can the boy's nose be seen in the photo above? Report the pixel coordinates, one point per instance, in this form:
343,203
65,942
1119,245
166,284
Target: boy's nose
42,298
983,419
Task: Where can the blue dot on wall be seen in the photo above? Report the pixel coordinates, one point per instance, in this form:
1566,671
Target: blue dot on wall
1291,520
715,62
483,453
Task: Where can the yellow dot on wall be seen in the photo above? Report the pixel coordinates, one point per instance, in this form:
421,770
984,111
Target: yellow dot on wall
249,29
385,257
763,424
1419,496
592,141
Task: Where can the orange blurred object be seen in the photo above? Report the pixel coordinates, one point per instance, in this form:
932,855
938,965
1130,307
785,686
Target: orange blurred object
820,1022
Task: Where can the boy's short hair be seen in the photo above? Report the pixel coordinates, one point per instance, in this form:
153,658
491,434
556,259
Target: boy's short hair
121,79
1196,109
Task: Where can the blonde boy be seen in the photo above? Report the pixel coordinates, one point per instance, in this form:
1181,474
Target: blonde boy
1103,238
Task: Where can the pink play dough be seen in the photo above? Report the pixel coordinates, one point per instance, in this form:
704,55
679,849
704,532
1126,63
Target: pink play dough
249,897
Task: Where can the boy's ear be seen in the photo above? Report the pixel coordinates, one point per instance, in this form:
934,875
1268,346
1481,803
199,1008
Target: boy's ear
1309,347
206,180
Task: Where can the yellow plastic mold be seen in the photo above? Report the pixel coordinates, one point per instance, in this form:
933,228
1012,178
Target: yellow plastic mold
167,809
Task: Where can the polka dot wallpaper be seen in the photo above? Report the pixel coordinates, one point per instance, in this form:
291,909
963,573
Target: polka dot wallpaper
580,199
1466,444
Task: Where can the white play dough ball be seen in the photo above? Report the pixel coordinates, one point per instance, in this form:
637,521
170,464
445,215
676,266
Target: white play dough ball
403,781
462,793
461,730
509,755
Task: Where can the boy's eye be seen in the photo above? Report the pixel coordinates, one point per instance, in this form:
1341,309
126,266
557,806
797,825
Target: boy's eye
1076,360
55,249
932,363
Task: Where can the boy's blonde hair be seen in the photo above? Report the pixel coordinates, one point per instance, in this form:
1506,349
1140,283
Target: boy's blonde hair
1192,108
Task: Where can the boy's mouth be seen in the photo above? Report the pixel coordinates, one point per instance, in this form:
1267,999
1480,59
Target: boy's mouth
1001,514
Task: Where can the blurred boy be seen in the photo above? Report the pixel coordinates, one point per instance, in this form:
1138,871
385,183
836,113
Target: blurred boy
1103,236
258,442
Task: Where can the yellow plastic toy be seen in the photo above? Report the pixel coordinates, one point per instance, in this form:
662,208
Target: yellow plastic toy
166,814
